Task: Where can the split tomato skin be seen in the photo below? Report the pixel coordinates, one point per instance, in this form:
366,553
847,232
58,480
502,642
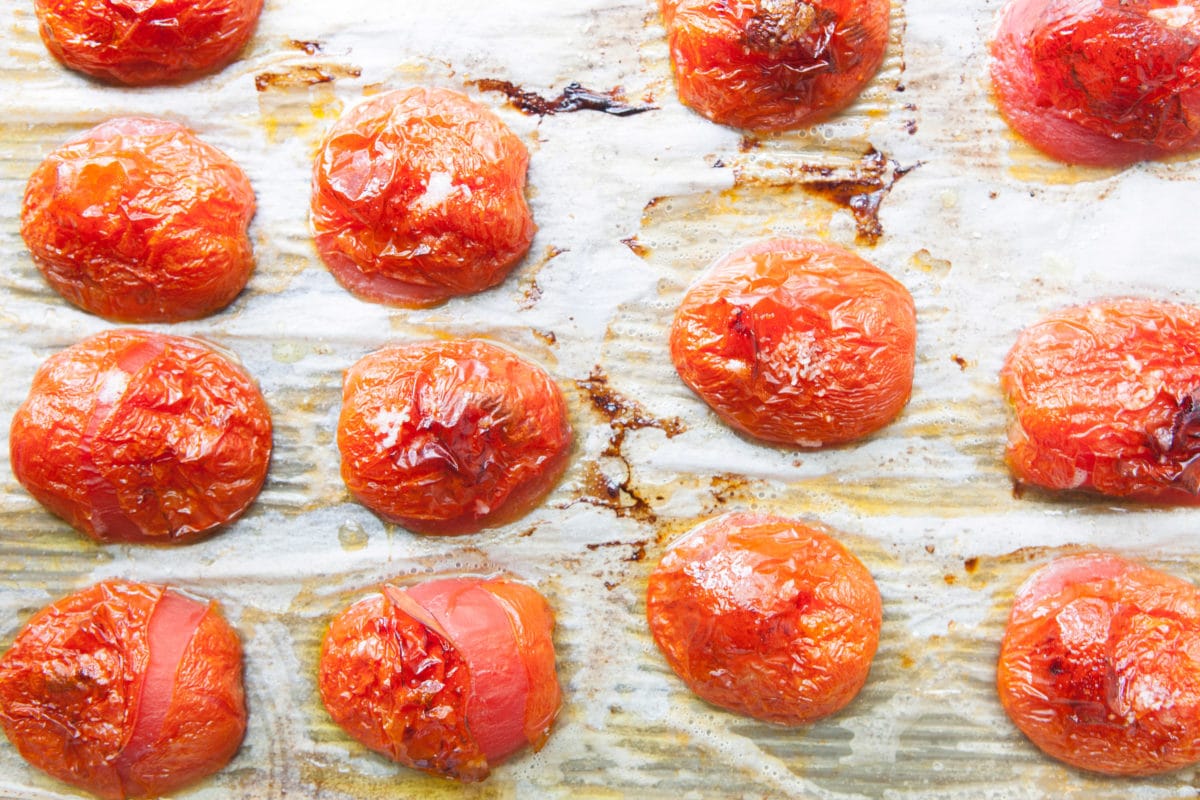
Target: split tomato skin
1100,82
1100,665
765,616
138,220
769,65
797,342
451,676
133,436
449,437
1106,399
139,44
74,688
418,195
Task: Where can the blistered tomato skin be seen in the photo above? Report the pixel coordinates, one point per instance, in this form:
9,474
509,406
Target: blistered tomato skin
1100,82
450,676
125,690
154,42
766,617
418,196
137,220
797,342
1106,399
132,436
451,437
769,65
1100,665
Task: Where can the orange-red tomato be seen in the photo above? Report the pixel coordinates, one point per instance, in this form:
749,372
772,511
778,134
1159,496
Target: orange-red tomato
1100,665
797,342
1101,82
774,64
450,676
418,195
125,690
146,42
765,616
137,220
1106,399
132,436
451,437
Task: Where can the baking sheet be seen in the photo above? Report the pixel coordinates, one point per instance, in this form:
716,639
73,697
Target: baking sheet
987,235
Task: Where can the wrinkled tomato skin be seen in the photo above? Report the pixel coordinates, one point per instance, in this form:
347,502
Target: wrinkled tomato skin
418,196
451,437
1106,399
71,690
797,342
135,436
1100,665
1100,82
766,617
138,44
395,673
137,220
769,65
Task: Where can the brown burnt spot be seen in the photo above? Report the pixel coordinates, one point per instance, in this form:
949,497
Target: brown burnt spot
547,337
749,143
860,188
906,661
910,127
640,250
1018,489
310,47
303,75
531,290
971,565
574,97
949,579
930,549
618,496
962,362
726,487
638,548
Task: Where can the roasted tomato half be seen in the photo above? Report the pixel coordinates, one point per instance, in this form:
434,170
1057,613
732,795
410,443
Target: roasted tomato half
125,690
146,42
419,195
137,220
451,437
450,676
765,616
1101,82
774,64
797,342
1100,665
134,436
1106,399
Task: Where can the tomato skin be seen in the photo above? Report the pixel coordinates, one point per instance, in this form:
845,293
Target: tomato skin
1100,665
1100,82
427,675
137,220
142,437
770,65
797,342
418,196
766,617
72,688
451,437
1105,399
162,41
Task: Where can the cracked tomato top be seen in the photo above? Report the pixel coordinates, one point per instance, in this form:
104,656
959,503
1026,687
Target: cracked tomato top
137,220
418,195
774,64
132,436
1100,665
797,342
1106,398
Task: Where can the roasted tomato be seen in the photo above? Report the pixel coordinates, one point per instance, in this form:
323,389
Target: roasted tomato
1101,82
450,676
797,342
1107,399
419,196
451,437
125,690
137,220
774,64
1100,665
134,436
765,616
149,41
